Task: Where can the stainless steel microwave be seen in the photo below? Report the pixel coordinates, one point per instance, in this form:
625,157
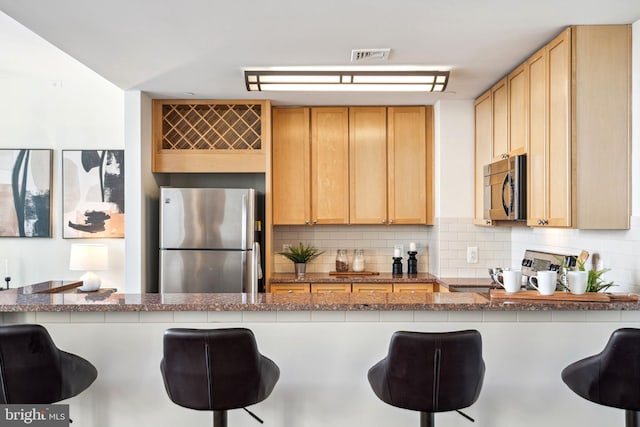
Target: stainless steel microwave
505,189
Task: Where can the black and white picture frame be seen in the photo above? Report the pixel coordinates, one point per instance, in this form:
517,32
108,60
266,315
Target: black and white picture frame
25,192
93,193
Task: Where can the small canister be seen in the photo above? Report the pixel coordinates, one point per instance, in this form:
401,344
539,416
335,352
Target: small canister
342,261
358,260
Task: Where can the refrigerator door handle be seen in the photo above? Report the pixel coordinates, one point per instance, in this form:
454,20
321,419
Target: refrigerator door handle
255,269
244,221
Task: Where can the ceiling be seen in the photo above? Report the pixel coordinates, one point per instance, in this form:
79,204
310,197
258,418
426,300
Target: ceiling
171,48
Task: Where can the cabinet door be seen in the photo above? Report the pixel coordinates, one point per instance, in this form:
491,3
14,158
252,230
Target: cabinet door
368,165
407,158
330,165
330,288
537,156
291,166
372,288
500,138
289,288
518,107
412,288
559,131
482,108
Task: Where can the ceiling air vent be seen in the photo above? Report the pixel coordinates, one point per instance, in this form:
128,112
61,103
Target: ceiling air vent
358,55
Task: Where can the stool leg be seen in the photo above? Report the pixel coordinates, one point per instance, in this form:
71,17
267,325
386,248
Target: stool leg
631,419
219,418
427,419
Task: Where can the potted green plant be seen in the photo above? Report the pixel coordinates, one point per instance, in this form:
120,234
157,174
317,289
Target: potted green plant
300,255
595,282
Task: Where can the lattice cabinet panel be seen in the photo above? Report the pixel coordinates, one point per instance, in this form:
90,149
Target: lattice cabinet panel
211,136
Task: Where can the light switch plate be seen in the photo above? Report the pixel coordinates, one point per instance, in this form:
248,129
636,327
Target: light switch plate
472,254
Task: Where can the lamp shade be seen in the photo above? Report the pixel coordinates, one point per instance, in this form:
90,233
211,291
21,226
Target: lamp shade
88,257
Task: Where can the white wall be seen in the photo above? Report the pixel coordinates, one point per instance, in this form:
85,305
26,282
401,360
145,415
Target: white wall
51,101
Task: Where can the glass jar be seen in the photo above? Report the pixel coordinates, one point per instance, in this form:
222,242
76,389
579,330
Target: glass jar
358,260
342,261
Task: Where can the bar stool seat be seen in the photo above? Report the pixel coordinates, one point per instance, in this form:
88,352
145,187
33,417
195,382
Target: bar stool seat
611,377
34,371
430,372
216,370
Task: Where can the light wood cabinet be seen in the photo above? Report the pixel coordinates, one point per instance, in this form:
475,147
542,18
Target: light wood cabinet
372,288
359,165
330,288
211,135
407,159
291,172
500,120
518,106
391,165
579,174
482,155
413,288
368,165
330,165
290,288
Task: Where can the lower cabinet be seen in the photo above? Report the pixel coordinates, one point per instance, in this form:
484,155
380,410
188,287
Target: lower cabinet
358,287
413,288
328,288
290,288
372,288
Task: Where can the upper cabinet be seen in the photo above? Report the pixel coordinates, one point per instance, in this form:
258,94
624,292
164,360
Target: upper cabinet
291,172
211,136
482,109
569,110
500,120
330,165
368,165
409,164
579,174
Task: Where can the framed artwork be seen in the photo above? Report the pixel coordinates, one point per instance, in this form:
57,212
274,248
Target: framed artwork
25,193
93,193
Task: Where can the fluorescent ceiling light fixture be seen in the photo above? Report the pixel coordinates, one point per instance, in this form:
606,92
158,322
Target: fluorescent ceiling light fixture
346,80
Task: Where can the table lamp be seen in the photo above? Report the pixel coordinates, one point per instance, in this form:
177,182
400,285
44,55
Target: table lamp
89,258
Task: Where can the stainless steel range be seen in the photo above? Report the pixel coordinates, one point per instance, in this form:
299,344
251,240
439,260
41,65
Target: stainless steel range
535,261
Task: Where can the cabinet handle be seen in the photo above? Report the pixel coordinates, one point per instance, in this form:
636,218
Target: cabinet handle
384,221
289,291
488,222
306,221
505,156
390,221
315,221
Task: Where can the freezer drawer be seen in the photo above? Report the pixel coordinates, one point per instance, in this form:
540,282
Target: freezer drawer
194,271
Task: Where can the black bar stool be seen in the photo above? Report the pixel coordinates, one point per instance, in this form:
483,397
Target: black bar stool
216,370
33,370
430,372
612,377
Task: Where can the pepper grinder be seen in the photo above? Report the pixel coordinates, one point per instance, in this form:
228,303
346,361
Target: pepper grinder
396,268
412,263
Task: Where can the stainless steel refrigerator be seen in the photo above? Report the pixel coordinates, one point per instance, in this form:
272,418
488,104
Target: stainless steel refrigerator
207,240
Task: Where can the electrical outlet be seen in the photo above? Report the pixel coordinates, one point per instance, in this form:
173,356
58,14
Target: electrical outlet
472,254
285,247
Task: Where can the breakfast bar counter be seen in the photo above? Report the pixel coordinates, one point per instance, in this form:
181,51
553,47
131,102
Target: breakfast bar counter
17,300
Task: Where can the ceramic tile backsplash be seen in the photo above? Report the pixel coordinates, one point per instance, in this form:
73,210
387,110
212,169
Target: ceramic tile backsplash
377,241
454,235
619,250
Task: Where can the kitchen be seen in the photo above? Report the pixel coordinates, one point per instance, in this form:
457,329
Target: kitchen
454,233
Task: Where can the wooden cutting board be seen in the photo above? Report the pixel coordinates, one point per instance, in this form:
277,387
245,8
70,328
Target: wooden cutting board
501,294
353,273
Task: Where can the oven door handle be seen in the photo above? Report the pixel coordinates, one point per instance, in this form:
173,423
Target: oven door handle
507,181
